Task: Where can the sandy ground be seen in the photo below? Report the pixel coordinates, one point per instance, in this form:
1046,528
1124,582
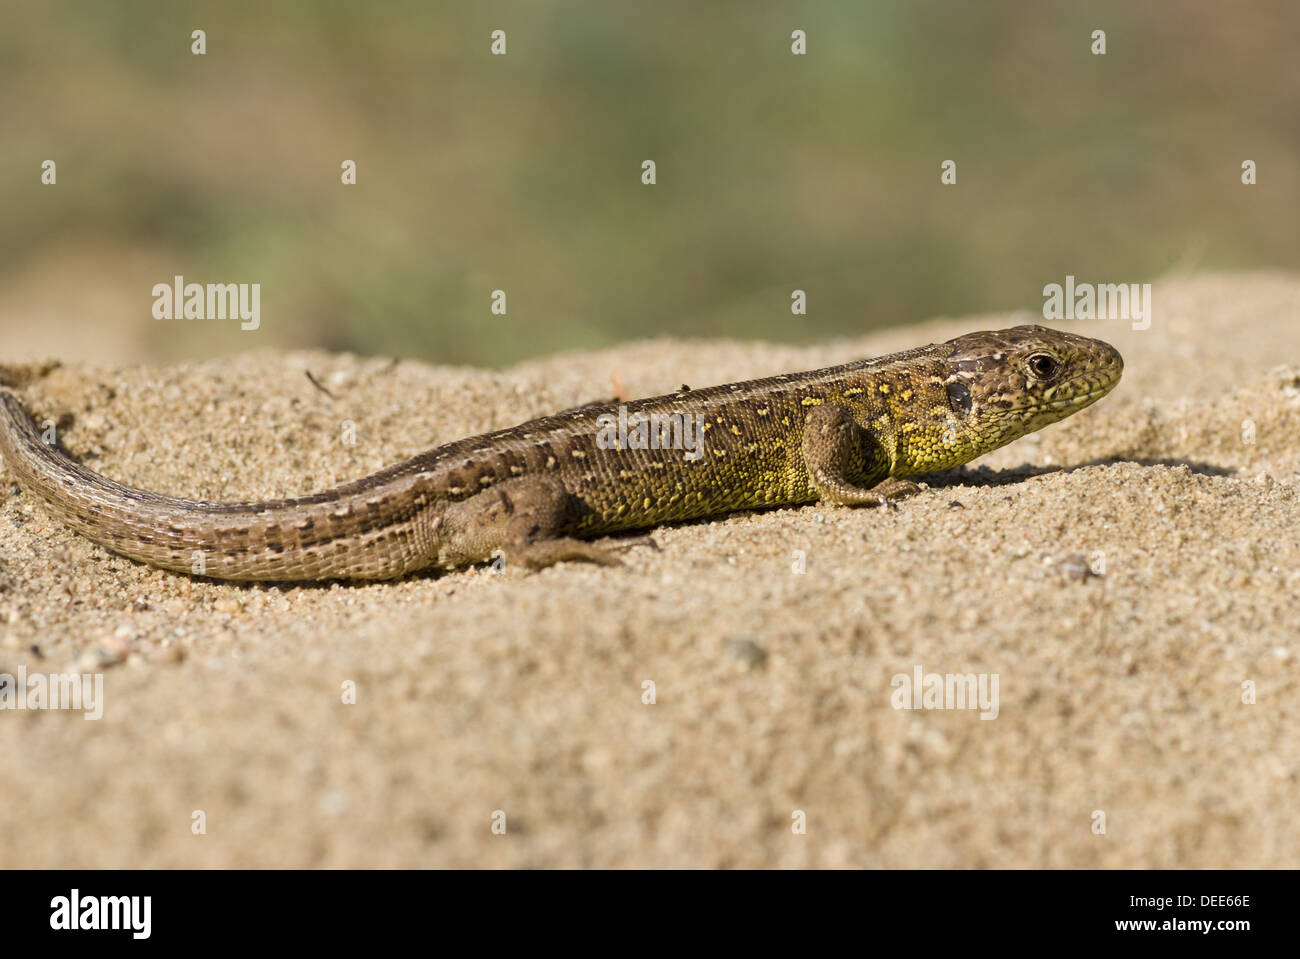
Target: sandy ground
475,692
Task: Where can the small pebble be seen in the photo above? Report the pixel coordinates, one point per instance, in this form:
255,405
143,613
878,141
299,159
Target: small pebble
1074,567
334,803
747,651
120,642
97,658
167,656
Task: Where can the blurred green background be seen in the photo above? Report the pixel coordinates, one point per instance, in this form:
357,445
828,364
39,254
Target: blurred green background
478,172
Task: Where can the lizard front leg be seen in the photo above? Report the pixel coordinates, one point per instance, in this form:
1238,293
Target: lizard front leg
837,451
525,517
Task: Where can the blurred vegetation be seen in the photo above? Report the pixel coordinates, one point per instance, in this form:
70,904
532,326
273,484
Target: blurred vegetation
522,172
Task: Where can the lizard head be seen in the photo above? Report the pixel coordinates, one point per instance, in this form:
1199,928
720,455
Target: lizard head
1003,384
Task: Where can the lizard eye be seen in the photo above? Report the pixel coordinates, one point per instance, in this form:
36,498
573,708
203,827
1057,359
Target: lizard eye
1042,365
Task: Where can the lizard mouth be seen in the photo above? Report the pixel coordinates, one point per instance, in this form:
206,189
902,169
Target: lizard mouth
1072,400
1078,399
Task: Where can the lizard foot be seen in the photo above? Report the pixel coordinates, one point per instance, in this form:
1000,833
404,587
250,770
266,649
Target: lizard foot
891,490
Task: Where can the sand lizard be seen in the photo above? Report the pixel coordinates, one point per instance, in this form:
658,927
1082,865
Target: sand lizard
847,435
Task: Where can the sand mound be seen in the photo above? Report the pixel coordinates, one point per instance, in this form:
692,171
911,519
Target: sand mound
1120,693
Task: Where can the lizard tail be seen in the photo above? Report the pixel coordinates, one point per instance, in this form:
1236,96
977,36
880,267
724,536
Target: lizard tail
363,530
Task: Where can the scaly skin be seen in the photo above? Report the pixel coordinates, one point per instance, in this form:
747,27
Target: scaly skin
847,435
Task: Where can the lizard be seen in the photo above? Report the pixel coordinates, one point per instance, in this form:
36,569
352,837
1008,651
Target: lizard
537,493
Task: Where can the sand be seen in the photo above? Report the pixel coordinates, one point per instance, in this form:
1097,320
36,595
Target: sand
1120,693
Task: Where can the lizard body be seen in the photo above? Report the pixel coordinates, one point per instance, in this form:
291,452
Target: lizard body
848,435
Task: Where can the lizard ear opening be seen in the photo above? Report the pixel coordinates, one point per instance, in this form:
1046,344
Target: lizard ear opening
959,398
